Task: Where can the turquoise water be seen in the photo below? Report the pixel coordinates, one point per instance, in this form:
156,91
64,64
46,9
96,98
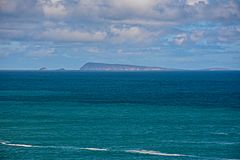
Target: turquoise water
119,116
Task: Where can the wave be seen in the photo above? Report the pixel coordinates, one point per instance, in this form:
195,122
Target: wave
95,149
146,152
3,143
150,152
60,147
17,145
20,145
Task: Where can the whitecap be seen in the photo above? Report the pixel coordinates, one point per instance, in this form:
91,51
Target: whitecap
20,145
4,143
94,149
150,152
57,147
17,145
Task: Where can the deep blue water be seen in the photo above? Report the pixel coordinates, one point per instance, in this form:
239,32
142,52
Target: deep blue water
119,115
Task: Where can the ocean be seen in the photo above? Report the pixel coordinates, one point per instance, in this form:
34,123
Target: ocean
68,115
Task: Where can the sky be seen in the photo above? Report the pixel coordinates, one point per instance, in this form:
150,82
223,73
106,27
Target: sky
187,34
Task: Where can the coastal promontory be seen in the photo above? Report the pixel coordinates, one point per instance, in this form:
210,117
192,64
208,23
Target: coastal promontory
91,66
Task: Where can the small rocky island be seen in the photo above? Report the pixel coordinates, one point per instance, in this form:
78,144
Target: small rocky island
90,66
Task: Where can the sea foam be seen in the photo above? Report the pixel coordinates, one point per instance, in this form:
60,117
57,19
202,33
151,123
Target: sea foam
95,149
17,145
150,152
147,152
59,147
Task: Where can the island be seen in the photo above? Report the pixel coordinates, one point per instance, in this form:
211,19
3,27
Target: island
217,69
91,66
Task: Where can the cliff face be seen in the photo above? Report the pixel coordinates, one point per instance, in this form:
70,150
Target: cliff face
117,67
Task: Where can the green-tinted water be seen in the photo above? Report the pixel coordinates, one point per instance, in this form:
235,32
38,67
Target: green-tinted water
144,115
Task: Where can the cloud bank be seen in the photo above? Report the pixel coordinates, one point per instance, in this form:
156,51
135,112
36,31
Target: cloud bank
188,27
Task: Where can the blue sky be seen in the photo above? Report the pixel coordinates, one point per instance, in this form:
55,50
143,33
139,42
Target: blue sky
188,34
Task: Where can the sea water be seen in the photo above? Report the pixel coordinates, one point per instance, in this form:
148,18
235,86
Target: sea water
119,115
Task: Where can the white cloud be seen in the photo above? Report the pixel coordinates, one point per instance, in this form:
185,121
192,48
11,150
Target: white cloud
180,39
228,34
68,35
18,8
135,4
116,6
139,7
25,49
145,22
196,35
53,8
10,48
191,37
149,10
195,2
140,19
94,50
132,33
43,52
226,10
156,11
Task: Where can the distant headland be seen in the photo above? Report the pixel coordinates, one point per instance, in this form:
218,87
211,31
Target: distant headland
91,66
